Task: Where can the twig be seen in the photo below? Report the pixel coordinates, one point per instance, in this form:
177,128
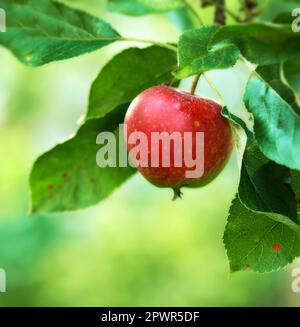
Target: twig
171,81
195,83
249,6
161,44
220,17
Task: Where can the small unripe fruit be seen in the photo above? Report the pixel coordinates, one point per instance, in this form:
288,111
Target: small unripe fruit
166,109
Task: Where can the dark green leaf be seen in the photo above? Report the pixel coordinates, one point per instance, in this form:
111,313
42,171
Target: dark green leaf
68,178
254,241
262,44
295,175
276,8
42,31
284,18
127,74
295,181
214,47
277,126
143,7
264,185
292,73
274,76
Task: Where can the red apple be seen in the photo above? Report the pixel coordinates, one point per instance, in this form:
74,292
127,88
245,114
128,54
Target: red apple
166,109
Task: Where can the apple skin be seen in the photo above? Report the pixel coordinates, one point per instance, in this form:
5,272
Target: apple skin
166,109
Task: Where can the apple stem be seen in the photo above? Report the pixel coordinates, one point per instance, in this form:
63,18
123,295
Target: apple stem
177,194
195,84
171,81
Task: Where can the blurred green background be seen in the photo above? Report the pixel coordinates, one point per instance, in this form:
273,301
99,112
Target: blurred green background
137,248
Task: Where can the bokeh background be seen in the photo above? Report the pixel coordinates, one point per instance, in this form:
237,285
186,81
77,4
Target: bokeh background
137,248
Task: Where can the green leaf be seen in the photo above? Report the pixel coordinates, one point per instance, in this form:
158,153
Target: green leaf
276,8
215,47
262,44
292,73
295,176
68,178
265,194
275,77
126,75
295,182
256,242
277,126
197,54
263,219
42,31
144,7
284,18
264,185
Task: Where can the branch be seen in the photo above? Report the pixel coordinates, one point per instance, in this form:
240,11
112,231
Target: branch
220,16
249,6
167,45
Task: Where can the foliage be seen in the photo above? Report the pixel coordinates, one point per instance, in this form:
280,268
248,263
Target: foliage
263,231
